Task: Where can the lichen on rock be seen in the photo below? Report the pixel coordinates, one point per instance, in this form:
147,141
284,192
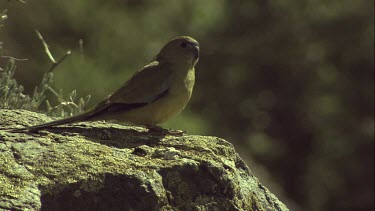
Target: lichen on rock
73,167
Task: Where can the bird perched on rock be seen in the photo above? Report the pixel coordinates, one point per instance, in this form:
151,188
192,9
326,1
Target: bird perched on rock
153,94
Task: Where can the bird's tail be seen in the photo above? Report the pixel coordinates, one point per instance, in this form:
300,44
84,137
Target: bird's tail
86,116
77,118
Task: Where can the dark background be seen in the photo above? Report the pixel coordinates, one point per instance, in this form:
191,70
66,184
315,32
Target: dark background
290,83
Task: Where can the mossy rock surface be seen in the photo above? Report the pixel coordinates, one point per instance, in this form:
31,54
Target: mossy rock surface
104,166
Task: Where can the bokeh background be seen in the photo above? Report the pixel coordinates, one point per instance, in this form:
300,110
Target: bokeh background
290,83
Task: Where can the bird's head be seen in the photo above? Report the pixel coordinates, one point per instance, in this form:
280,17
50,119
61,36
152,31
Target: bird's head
180,50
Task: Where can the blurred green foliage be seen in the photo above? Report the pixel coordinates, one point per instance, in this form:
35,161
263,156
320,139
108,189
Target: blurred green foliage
290,83
12,94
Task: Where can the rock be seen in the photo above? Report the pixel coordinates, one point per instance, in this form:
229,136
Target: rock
104,166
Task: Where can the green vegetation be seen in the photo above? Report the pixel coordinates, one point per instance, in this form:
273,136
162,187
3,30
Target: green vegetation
290,83
12,94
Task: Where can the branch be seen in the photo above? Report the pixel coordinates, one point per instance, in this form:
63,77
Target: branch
45,46
19,1
54,65
15,59
47,51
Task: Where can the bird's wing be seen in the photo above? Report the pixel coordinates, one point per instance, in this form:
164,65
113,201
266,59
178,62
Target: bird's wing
145,86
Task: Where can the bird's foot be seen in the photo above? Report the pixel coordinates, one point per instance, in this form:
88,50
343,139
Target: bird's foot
166,131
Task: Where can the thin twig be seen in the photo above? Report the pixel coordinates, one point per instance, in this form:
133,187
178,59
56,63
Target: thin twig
80,42
81,50
20,1
47,51
53,91
45,46
3,15
15,59
54,65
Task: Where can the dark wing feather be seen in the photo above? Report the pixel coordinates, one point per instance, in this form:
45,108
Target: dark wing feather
145,86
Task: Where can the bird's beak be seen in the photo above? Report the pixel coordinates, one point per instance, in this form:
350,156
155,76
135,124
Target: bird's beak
195,48
196,52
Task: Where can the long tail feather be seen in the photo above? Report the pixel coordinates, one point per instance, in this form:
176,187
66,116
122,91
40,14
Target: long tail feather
77,118
86,116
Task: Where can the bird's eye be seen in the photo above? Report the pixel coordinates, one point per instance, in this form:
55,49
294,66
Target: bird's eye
184,44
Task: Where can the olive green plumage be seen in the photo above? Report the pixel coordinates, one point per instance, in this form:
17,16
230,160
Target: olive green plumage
153,94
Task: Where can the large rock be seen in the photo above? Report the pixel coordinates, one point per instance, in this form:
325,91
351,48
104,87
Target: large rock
103,166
